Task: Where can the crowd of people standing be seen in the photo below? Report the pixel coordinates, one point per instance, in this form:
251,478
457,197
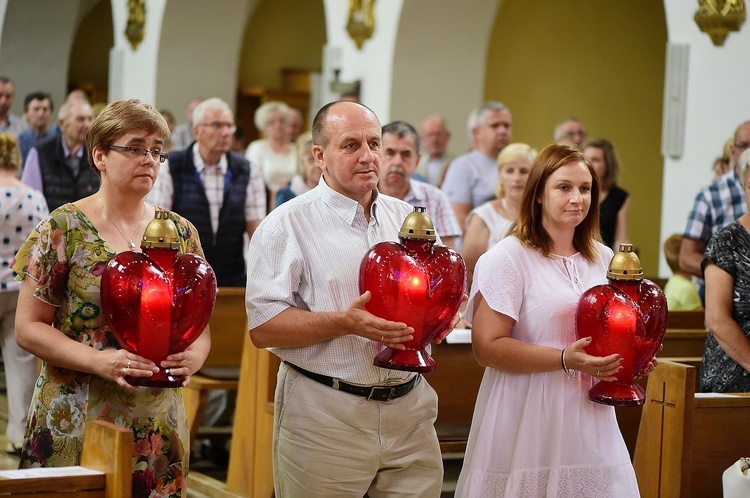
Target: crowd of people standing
541,223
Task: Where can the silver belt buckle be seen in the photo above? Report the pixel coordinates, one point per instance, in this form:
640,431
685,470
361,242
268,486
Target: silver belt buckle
391,393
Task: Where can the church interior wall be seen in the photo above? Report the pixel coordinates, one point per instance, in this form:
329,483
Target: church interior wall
425,58
602,62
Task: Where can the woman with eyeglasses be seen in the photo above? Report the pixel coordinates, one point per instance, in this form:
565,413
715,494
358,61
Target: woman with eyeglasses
59,316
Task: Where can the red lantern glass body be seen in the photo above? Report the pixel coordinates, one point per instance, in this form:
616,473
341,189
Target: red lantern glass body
628,317
416,283
156,304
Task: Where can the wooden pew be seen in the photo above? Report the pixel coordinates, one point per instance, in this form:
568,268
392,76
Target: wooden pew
250,470
686,441
456,380
686,320
221,369
106,469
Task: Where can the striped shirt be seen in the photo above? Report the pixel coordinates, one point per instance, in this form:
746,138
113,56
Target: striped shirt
438,207
306,254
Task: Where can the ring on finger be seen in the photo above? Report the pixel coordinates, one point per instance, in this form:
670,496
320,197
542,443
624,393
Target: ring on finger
597,373
124,371
382,338
129,362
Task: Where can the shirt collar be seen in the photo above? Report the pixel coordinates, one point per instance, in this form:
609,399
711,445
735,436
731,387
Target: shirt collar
347,209
413,196
200,164
66,150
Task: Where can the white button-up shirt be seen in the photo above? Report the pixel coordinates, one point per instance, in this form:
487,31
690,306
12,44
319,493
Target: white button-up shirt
306,253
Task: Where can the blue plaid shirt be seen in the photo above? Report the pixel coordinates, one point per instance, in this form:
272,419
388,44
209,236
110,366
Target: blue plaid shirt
716,206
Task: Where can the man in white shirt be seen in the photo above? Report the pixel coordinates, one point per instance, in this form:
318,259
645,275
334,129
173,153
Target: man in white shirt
343,427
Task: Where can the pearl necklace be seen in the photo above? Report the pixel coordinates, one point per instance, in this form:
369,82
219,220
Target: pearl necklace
130,242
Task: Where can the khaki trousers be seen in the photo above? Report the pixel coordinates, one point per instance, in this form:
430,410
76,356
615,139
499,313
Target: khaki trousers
329,443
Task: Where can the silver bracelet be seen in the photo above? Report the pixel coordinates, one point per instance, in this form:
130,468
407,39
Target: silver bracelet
572,374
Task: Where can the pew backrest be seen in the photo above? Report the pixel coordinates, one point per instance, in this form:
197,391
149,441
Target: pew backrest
106,469
686,441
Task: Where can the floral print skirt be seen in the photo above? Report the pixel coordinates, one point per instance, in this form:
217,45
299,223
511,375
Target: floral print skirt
65,400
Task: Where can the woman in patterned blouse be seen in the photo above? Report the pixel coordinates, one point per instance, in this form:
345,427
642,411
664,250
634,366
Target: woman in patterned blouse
726,270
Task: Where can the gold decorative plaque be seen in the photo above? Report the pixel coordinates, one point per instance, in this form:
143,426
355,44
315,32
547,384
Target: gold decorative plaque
719,17
361,21
136,22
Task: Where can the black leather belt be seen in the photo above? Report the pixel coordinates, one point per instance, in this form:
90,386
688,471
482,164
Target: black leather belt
374,393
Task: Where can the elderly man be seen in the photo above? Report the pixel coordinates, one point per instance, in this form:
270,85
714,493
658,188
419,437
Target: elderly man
343,427
570,131
58,165
9,123
400,155
216,189
471,179
716,206
435,137
37,108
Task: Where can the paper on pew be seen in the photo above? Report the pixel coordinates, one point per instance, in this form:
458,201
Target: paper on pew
715,395
459,336
36,473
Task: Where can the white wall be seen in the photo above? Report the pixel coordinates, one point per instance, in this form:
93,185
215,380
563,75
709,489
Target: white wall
373,64
717,101
126,62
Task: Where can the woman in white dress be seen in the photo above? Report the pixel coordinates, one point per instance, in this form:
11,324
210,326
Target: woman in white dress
535,433
275,155
489,222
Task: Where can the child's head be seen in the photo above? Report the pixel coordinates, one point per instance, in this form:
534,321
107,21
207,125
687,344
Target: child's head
672,251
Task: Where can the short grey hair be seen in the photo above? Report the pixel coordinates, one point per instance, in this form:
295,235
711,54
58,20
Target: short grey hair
66,108
264,112
213,103
559,127
476,118
402,129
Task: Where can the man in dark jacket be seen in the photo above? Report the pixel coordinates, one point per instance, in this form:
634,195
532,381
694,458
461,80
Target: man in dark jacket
218,190
58,166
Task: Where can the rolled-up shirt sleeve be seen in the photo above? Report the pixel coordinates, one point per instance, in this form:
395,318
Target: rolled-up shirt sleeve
277,266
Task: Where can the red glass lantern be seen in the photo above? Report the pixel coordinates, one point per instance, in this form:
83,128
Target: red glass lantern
629,317
414,282
157,302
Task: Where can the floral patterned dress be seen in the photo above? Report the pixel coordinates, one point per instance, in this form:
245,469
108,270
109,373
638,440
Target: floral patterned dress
66,257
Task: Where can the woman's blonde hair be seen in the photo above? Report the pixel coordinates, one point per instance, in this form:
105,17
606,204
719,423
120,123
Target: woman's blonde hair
10,156
511,153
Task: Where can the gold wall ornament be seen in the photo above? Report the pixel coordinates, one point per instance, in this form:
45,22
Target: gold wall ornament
361,21
136,22
719,17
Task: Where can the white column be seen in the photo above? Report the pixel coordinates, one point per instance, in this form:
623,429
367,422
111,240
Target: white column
3,8
133,73
373,64
715,105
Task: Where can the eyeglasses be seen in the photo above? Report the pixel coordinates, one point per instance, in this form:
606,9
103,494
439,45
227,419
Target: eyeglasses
218,125
139,152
